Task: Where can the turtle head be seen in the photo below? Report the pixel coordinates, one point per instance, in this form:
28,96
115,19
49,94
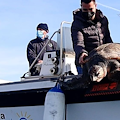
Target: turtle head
97,73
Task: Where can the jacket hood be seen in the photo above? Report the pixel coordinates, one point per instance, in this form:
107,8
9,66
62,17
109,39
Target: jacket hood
77,14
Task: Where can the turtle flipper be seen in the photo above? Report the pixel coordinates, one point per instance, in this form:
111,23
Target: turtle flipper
114,76
77,82
114,70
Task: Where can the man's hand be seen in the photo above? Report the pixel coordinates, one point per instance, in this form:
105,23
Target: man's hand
82,57
40,61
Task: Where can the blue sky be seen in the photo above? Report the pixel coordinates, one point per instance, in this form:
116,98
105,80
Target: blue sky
18,21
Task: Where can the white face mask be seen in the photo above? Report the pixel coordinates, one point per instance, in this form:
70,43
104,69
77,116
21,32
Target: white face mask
40,34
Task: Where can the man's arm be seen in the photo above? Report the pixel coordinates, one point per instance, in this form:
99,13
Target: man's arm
78,41
31,53
108,38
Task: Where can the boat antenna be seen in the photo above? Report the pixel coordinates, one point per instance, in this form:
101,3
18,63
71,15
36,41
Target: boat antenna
108,7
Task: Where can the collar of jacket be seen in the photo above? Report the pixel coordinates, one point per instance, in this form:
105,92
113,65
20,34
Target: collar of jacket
41,39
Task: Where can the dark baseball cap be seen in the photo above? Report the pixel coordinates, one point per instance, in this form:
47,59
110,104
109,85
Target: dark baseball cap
43,26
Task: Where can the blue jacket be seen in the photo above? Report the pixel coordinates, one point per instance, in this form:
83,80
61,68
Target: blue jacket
35,46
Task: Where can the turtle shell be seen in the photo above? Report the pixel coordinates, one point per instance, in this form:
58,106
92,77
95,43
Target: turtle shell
108,51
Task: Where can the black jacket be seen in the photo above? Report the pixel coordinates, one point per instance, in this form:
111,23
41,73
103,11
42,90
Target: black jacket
87,35
35,46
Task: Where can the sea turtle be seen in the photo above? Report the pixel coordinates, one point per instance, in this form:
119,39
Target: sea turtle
103,61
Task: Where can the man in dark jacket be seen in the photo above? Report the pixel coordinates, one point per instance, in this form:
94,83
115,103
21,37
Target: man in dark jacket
35,46
89,30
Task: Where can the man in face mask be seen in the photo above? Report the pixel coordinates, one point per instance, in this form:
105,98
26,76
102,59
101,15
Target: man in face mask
42,30
36,45
89,30
88,10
